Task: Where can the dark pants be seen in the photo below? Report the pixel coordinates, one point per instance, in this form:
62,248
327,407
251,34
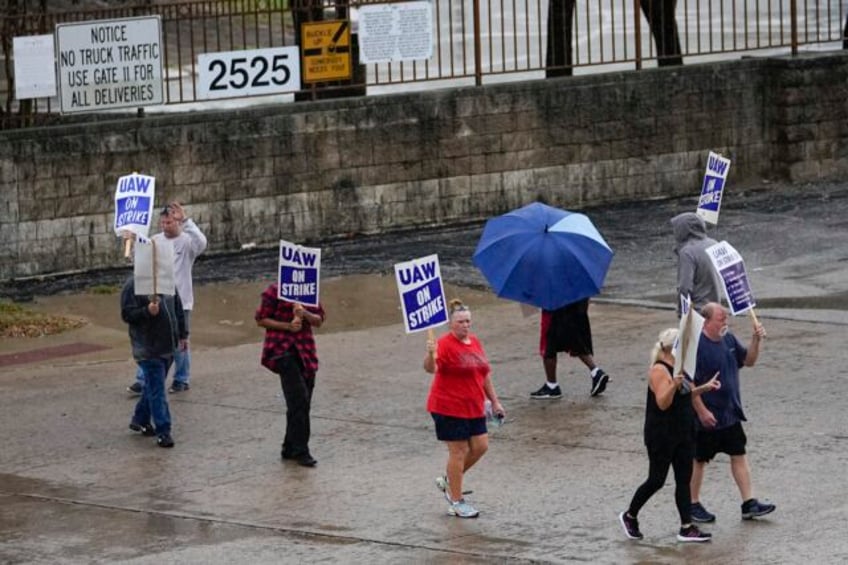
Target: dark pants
680,459
297,390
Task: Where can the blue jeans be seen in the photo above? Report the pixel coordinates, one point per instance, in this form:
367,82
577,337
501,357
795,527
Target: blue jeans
182,360
154,402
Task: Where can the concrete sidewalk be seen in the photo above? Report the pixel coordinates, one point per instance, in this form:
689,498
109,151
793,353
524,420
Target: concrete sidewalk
77,486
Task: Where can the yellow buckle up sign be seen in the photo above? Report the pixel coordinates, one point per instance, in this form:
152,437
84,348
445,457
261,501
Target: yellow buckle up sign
326,50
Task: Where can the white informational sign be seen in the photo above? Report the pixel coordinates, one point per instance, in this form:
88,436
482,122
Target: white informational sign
299,273
729,265
108,64
712,189
685,348
35,66
248,73
134,204
422,296
153,266
395,32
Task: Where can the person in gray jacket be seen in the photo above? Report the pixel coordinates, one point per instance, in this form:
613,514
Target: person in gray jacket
189,242
157,331
696,277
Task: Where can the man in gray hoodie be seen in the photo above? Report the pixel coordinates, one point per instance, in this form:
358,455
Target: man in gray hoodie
696,276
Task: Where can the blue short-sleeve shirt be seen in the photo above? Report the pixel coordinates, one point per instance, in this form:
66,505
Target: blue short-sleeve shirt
726,356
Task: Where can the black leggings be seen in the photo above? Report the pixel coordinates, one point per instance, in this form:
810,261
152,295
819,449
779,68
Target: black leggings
679,458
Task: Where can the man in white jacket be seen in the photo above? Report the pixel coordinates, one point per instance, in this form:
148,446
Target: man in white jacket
189,242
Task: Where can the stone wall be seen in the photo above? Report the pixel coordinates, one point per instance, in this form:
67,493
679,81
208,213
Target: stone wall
313,171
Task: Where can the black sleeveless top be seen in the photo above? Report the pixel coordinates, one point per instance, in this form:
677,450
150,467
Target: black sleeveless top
673,425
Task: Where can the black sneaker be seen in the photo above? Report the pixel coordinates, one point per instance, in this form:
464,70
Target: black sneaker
753,509
135,389
691,533
178,387
165,440
630,526
599,382
145,429
700,514
547,392
307,461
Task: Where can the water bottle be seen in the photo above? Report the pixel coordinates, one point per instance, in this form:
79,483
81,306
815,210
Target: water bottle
492,419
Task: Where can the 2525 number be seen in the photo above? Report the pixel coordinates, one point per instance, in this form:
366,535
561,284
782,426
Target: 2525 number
236,70
248,73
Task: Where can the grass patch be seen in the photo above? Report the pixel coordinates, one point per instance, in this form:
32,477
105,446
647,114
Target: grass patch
104,289
17,321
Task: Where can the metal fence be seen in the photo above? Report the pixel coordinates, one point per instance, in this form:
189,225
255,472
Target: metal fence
475,42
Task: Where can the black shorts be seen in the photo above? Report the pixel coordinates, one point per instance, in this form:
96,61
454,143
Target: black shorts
730,440
450,428
568,331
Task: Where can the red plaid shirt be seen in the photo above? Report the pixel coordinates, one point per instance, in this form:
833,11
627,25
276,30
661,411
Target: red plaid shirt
278,342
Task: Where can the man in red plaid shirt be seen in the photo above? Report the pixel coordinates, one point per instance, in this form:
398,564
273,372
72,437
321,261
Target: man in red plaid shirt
289,350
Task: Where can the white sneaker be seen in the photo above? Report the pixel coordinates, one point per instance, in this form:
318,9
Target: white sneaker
442,484
462,509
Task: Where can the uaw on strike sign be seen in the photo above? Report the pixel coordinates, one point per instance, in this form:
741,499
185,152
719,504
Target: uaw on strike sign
108,64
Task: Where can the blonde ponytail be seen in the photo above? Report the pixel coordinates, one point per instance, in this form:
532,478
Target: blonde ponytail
665,341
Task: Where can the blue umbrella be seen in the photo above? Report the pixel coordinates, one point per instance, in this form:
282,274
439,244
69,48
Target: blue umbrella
543,256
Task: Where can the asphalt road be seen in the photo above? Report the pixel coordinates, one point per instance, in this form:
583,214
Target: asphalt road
77,487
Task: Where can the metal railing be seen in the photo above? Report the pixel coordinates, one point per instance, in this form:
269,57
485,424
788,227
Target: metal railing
475,42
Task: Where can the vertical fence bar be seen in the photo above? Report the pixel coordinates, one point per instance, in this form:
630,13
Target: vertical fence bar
637,34
793,22
478,62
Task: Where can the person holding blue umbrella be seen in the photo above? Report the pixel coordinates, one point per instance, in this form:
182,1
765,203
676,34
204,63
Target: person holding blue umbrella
567,329
555,260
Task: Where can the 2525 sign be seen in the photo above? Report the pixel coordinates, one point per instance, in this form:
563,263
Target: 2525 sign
255,72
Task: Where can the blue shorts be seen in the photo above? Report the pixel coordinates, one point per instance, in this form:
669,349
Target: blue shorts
449,428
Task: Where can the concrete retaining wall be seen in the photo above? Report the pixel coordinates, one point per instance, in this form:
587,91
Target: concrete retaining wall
314,171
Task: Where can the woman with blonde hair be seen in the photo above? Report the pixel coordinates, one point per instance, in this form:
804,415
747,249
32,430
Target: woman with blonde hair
460,387
669,437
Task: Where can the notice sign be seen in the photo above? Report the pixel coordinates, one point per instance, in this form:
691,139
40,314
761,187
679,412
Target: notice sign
713,187
299,273
134,204
395,32
326,50
422,295
728,263
108,64
35,71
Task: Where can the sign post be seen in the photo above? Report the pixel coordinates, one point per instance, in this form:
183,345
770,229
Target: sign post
110,64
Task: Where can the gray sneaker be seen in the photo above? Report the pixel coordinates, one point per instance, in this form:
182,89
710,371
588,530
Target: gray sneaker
442,484
462,509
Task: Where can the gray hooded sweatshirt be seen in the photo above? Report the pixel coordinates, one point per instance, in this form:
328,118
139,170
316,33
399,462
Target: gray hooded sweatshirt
696,276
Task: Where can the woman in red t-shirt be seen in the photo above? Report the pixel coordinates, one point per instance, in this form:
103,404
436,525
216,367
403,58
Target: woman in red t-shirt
461,385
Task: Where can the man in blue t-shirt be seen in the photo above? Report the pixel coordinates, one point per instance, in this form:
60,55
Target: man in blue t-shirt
720,414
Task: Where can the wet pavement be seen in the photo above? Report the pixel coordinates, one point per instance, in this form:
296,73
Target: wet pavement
77,487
